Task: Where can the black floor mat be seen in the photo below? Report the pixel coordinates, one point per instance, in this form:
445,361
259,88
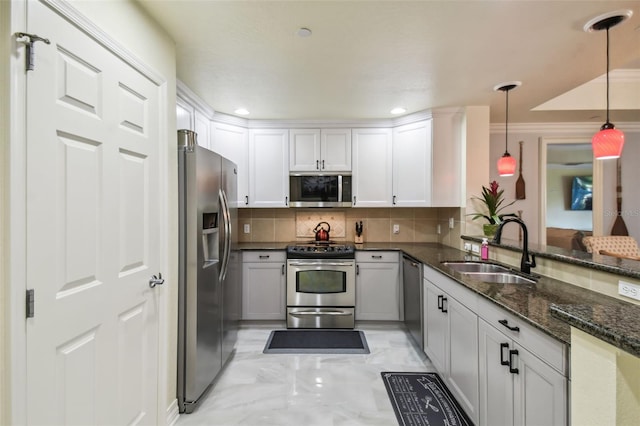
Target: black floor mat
422,399
316,341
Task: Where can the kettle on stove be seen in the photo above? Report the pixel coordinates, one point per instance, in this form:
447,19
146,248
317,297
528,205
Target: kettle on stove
322,234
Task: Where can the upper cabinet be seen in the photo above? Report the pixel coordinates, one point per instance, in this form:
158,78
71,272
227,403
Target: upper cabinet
371,186
232,142
315,150
447,153
268,168
412,171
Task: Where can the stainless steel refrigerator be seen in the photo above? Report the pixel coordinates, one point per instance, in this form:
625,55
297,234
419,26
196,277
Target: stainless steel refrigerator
209,292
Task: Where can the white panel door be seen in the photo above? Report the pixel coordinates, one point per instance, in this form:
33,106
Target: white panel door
92,232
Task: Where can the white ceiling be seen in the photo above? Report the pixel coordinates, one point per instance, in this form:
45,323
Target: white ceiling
365,57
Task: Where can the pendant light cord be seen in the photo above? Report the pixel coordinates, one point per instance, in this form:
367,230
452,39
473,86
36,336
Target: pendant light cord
607,74
506,125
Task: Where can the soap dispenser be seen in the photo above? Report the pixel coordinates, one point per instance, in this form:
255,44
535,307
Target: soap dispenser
484,249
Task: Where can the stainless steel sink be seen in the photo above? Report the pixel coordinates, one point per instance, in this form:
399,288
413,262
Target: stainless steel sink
499,277
483,267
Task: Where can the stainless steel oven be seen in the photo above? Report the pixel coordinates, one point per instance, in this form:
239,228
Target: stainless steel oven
321,286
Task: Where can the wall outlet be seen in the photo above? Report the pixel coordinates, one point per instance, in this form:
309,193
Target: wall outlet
475,248
467,246
246,228
396,228
438,229
629,290
452,223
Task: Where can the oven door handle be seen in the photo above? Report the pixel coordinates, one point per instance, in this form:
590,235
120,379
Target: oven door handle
321,263
316,313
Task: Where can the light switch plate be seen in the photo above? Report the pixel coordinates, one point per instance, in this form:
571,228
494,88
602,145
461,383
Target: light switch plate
629,290
246,228
396,228
451,223
475,248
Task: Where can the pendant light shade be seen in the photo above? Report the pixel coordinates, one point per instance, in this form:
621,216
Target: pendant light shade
609,141
506,163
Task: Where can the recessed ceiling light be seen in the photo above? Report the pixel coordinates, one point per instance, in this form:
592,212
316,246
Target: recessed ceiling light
398,110
304,32
242,111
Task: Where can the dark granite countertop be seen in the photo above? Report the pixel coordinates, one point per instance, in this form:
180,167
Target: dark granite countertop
550,305
615,265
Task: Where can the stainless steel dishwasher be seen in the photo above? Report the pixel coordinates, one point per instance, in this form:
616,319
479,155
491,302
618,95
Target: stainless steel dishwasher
412,286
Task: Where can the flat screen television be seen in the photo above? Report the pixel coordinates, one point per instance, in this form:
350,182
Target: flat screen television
581,192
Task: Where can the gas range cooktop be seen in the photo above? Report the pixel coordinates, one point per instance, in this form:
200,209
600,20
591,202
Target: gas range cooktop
321,249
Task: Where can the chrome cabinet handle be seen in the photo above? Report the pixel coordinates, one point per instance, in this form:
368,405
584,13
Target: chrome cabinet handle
156,280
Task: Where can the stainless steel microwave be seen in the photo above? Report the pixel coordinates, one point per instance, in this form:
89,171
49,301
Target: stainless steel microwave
315,190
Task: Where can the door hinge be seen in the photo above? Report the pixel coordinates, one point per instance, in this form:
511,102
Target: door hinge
31,299
30,39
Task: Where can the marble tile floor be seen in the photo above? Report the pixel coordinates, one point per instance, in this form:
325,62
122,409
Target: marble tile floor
256,389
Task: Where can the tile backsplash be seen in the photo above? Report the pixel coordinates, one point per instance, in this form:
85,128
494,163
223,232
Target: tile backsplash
415,224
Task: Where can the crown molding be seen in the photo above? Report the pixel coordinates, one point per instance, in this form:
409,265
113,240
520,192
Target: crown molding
560,128
183,91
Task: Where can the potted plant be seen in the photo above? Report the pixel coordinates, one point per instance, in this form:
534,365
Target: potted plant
492,202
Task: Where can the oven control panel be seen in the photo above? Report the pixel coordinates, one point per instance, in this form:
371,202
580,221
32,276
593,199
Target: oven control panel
321,251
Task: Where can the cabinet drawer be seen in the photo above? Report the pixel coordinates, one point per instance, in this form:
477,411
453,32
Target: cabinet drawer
264,256
377,256
545,347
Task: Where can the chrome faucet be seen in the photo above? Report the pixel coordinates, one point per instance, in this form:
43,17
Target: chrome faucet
526,263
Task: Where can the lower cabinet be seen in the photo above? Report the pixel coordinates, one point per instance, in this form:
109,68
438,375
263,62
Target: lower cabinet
264,285
378,286
502,370
516,386
451,343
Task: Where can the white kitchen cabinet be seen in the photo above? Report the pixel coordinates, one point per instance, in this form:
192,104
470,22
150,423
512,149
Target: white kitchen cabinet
412,168
184,114
372,167
447,175
519,385
378,286
451,342
320,150
203,129
232,142
268,168
264,285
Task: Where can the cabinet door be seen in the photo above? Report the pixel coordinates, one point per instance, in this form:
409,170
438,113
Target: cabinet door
184,114
447,150
335,150
496,382
202,128
372,167
304,150
232,142
435,327
263,291
412,165
462,354
378,291
539,392
268,168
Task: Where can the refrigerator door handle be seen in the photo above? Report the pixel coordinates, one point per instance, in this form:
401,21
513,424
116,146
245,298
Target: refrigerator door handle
226,217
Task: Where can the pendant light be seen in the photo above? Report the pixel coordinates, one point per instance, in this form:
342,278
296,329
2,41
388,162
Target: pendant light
506,163
608,142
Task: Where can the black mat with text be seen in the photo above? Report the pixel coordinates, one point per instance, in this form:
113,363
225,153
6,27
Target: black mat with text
422,399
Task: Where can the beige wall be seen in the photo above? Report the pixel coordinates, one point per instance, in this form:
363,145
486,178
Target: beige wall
4,211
